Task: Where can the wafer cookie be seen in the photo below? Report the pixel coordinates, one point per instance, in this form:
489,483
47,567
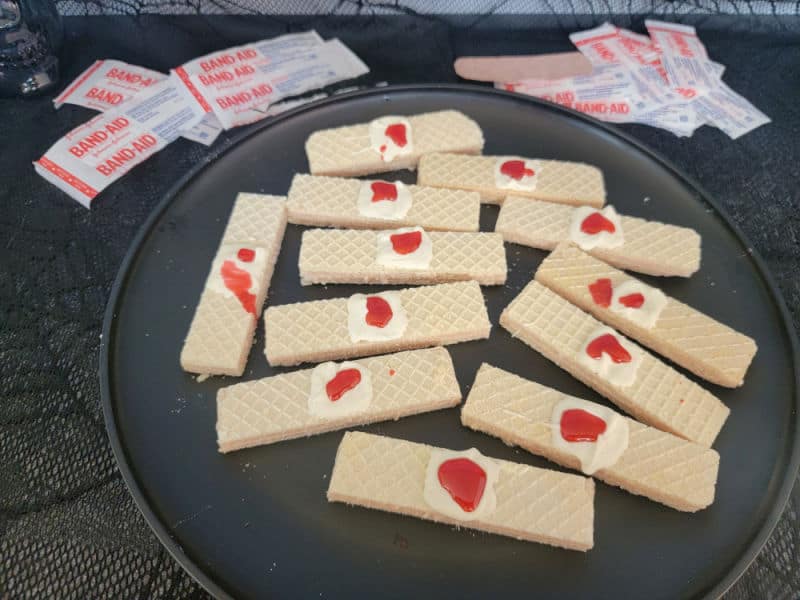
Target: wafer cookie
358,204
684,335
338,328
390,257
286,406
496,177
651,463
519,501
636,381
635,244
391,142
221,332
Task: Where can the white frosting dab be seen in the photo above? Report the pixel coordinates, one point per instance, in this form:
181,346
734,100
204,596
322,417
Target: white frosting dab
607,217
521,173
594,455
360,330
389,242
442,501
621,374
385,200
384,144
234,253
624,300
354,400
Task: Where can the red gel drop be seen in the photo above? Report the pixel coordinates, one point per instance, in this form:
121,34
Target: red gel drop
344,381
379,313
632,300
392,372
397,133
464,480
406,243
238,281
610,345
246,254
578,425
595,223
601,292
515,169
383,190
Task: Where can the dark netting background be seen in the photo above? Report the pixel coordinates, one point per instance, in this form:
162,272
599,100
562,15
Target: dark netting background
68,527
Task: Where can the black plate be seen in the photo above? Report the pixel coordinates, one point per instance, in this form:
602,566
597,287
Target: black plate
256,522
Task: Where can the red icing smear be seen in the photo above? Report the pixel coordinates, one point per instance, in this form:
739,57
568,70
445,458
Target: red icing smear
595,223
578,425
632,300
238,281
379,313
515,169
397,133
609,344
383,190
601,291
246,254
406,243
344,381
464,480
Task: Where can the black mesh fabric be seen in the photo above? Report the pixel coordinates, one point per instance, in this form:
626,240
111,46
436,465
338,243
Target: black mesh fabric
68,528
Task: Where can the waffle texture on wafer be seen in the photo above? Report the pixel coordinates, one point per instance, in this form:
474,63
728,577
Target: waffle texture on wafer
557,181
684,335
275,408
317,331
659,395
347,151
333,202
533,504
349,256
650,247
221,333
655,464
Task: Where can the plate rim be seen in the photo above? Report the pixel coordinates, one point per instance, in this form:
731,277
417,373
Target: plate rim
759,538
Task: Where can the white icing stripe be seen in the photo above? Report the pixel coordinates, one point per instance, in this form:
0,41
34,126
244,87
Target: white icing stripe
620,374
386,256
603,239
439,499
353,401
610,444
647,314
229,252
527,179
357,325
383,144
389,210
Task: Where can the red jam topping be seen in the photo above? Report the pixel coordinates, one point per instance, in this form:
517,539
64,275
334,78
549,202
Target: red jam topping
246,254
344,381
610,345
406,243
515,169
601,292
595,223
238,281
578,425
383,190
632,300
379,313
464,480
397,133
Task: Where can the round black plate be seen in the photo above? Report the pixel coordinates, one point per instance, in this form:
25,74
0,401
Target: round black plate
256,523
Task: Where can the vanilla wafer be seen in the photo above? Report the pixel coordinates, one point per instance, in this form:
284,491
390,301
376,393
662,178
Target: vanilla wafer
221,333
682,334
515,500
390,257
340,328
391,142
496,177
359,204
631,378
649,247
651,463
282,407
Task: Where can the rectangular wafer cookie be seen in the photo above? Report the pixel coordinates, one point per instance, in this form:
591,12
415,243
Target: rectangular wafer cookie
533,504
649,247
349,256
658,396
318,330
333,202
555,180
221,333
276,408
684,335
655,464
348,151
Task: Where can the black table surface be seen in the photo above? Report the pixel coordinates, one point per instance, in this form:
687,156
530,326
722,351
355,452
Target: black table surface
68,527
